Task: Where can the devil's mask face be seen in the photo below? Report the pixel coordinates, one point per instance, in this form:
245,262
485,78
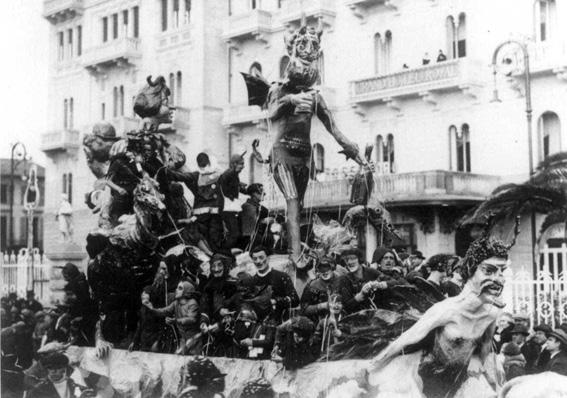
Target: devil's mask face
488,280
304,49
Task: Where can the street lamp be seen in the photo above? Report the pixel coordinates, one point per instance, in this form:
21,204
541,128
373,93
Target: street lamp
18,154
524,49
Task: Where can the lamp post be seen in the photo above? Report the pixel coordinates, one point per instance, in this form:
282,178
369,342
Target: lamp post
15,158
527,80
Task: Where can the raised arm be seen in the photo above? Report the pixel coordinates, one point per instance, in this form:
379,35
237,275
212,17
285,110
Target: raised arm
350,149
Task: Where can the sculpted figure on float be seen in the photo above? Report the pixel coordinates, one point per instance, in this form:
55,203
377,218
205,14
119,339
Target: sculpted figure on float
291,105
449,349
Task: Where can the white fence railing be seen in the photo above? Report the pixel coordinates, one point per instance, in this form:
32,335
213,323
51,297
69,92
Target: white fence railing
17,274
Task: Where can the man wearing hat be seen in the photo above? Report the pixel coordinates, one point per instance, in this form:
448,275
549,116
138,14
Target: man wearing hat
529,350
557,347
58,383
535,349
314,300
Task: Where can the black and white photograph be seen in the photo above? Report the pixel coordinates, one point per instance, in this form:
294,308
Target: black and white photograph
284,199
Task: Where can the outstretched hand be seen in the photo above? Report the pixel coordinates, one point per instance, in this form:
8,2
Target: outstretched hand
103,349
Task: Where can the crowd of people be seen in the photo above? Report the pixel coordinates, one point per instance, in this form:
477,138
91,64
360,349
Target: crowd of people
239,305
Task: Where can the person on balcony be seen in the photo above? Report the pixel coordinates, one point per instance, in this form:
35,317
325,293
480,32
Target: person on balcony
231,187
441,57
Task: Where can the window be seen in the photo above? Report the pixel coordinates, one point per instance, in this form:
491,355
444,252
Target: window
549,133
284,62
103,111
65,113
104,29
172,88
121,100
255,69
385,154
79,40
125,30
115,26
71,112
377,53
387,52
136,11
544,19
115,101
60,46
187,13
4,193
3,233
175,20
461,37
319,158
451,38
253,4
164,15
67,187
460,148
69,43
178,89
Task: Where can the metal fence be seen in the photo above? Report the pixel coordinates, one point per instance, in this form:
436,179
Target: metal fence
17,275
543,299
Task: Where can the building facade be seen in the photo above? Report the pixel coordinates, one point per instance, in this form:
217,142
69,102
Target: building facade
13,214
411,78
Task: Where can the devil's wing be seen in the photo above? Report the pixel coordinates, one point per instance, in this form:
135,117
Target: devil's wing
258,89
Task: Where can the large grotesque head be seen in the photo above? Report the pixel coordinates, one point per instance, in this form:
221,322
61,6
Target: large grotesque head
97,147
304,49
152,103
147,198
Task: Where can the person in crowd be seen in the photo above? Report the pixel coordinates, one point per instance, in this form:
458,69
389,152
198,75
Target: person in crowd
146,337
284,295
44,328
58,383
276,237
514,363
315,298
441,56
12,376
529,349
254,339
77,282
557,346
359,286
519,335
254,218
182,313
293,343
522,319
454,284
81,318
37,373
539,338
208,198
439,266
200,378
327,331
503,332
31,303
259,388
231,187
426,59
387,262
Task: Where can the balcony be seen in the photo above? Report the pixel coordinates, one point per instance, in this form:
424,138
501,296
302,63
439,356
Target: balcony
549,57
119,53
453,75
242,115
56,11
314,10
60,141
360,8
437,187
176,38
255,24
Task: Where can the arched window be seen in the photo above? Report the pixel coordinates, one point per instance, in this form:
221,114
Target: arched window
387,52
377,53
549,132
319,158
255,69
179,87
65,113
460,148
451,38
172,88
385,154
462,36
121,100
284,62
115,101
544,12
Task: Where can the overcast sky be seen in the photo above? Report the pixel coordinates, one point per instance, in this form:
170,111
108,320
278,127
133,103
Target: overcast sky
24,49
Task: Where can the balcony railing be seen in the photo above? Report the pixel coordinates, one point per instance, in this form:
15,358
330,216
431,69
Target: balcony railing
60,141
442,76
548,56
242,114
405,189
254,23
175,38
118,52
56,11
292,11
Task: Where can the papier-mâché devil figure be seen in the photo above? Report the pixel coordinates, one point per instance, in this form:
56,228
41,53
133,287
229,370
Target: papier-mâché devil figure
291,105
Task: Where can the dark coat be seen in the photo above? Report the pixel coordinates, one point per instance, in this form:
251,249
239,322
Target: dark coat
530,350
558,364
316,292
283,292
514,366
